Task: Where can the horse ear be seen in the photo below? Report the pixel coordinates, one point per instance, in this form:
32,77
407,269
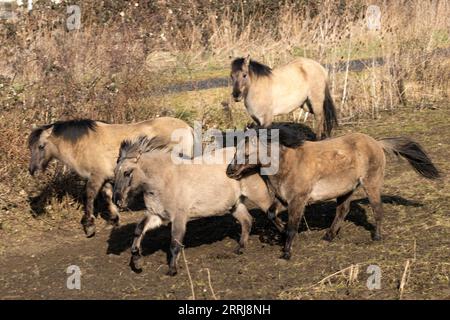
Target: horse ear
138,155
247,61
47,132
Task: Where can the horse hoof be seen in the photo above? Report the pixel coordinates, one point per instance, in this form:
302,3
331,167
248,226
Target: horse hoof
328,236
172,272
238,250
136,264
377,237
286,256
89,230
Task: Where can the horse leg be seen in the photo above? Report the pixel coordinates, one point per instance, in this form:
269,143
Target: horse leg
316,105
296,210
176,244
272,214
150,221
342,209
264,120
113,217
373,191
243,216
93,186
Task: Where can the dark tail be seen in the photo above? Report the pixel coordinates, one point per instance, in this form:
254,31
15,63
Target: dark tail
330,112
414,153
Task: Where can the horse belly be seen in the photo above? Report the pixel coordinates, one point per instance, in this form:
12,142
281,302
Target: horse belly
327,189
287,102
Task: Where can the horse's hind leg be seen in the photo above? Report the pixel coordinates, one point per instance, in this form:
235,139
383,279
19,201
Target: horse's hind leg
245,219
93,186
296,210
342,209
113,217
176,244
373,190
150,221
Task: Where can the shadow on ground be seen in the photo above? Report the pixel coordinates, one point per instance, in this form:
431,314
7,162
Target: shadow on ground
213,229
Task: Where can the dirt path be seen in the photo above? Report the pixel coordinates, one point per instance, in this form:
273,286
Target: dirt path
417,228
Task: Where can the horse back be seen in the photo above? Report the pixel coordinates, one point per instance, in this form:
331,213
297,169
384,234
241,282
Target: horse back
329,168
352,156
97,153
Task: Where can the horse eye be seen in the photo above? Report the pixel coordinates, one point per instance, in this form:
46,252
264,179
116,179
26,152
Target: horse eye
128,174
41,146
244,75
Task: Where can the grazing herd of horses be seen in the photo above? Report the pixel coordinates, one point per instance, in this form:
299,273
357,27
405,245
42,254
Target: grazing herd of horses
121,159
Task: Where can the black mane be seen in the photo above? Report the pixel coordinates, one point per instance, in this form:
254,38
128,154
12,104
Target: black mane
256,68
71,130
291,136
142,144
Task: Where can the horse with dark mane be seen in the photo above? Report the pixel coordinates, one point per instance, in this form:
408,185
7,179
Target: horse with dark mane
90,149
310,172
302,83
179,192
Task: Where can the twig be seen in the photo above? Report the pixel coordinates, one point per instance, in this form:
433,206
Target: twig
351,271
188,273
210,284
307,226
344,92
404,278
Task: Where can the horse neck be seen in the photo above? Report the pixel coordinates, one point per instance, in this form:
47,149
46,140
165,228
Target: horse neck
66,153
260,83
155,165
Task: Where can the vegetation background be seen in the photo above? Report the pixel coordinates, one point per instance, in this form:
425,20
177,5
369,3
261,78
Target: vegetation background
118,65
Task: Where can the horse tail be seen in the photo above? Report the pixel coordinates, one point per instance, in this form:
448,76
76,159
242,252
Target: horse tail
414,153
330,112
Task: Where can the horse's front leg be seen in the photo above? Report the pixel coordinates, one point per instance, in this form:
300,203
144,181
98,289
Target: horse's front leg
113,217
272,214
296,209
150,221
93,186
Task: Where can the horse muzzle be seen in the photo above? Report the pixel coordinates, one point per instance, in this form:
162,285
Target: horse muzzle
32,169
238,98
119,200
232,173
237,95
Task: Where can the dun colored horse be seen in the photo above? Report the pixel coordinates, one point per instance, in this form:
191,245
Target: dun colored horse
177,193
90,149
331,169
303,83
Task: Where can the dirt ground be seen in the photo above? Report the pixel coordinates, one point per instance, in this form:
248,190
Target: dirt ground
33,263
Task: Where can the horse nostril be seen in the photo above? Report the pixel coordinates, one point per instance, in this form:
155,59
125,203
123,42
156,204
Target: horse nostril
32,170
229,171
117,198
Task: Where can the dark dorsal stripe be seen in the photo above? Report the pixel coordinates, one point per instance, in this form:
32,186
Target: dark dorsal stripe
72,130
256,68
